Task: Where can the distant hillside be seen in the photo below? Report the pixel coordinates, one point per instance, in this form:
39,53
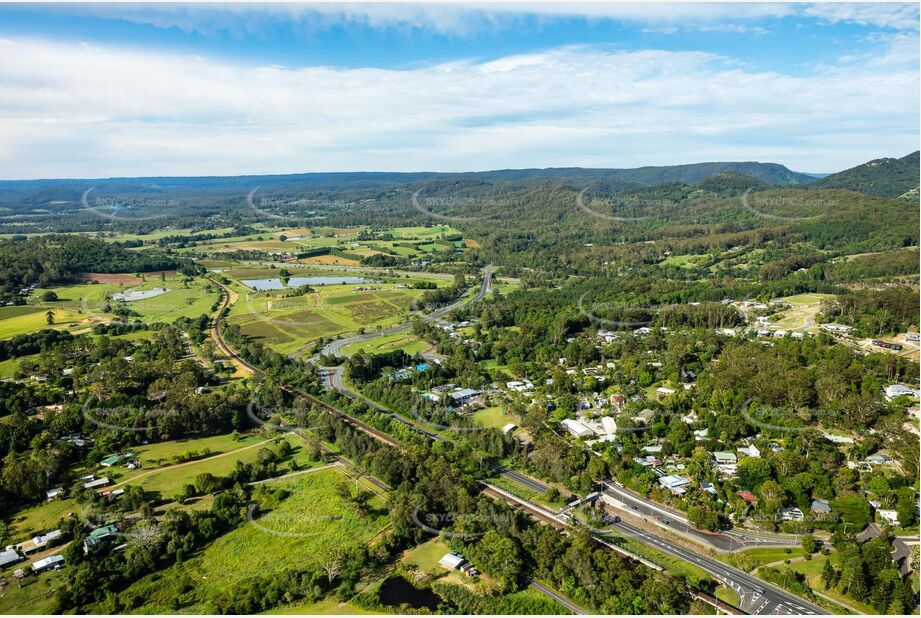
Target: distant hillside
881,177
770,173
731,183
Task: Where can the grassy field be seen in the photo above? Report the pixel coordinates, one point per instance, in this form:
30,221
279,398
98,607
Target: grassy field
31,319
326,607
493,416
313,517
35,597
80,306
407,342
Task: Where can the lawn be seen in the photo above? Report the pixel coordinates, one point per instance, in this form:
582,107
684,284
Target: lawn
311,519
727,595
326,607
493,416
405,341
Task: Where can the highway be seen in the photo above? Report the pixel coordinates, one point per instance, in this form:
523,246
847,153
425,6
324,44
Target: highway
756,596
676,522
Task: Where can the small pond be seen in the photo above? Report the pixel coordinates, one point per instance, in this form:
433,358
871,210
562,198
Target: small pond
395,591
261,285
131,295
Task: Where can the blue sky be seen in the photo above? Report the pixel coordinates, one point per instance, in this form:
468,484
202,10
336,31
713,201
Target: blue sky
102,90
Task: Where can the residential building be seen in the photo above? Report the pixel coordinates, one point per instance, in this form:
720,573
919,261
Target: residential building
452,561
509,428
894,391
791,513
750,451
464,396
724,457
577,428
97,536
51,562
675,484
8,557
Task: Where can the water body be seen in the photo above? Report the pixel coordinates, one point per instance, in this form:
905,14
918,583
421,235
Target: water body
395,591
261,285
132,295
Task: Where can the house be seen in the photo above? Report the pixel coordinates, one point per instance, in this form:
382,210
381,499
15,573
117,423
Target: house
701,434
609,425
724,457
519,385
110,461
93,484
710,488
646,416
509,428
675,484
464,396
8,557
451,561
889,516
820,507
51,494
894,391
913,336
51,562
647,461
791,513
837,328
750,451
656,448
97,536
747,496
664,391
39,542
577,428
617,400
878,460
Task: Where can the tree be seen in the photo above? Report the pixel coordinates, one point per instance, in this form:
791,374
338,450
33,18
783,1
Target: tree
331,561
809,544
49,296
704,518
49,317
498,556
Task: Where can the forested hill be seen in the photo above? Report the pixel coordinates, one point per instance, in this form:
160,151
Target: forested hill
883,177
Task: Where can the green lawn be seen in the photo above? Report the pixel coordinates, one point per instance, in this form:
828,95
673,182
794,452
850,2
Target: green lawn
326,607
727,595
407,342
493,416
35,320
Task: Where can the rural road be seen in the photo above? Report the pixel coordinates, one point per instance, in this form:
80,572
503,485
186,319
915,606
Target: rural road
334,348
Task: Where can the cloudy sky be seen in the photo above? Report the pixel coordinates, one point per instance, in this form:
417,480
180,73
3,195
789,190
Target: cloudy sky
142,90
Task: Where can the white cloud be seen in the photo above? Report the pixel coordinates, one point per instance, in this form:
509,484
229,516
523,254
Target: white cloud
89,110
895,15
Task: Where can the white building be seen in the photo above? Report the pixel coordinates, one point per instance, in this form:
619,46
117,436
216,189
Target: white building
577,428
898,390
675,484
750,451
